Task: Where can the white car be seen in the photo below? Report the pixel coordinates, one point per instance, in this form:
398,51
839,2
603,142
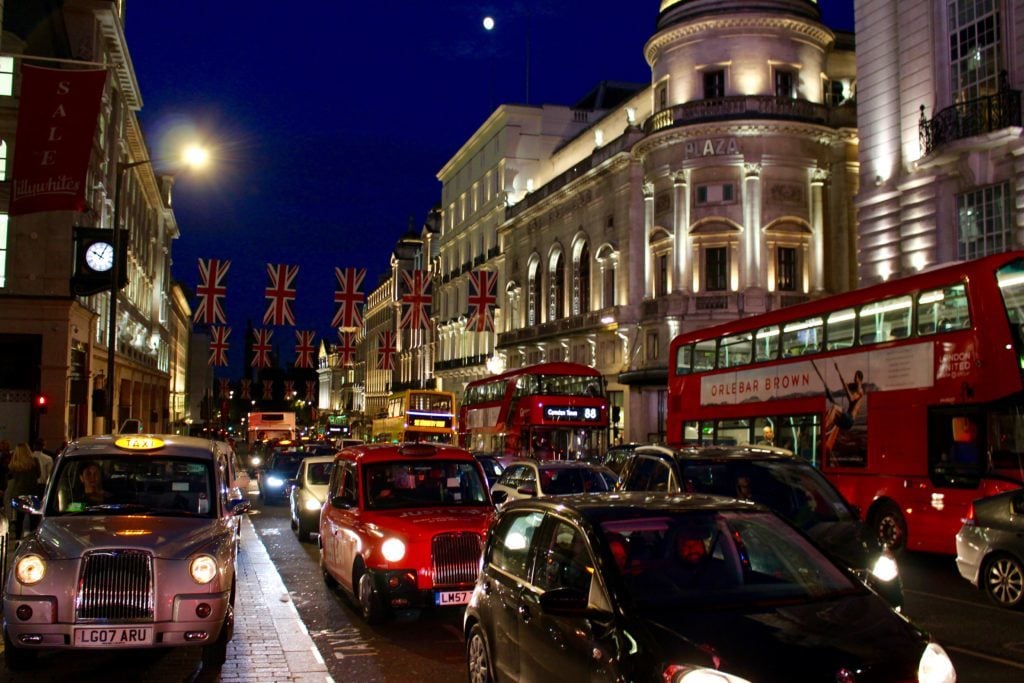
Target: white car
308,493
529,478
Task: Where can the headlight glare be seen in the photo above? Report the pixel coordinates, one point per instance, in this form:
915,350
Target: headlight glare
676,673
275,482
255,461
935,666
30,569
885,568
312,504
203,569
393,550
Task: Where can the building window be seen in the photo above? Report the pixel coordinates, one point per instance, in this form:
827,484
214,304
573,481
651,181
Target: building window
3,249
582,282
714,84
653,348
836,93
984,223
6,75
716,269
785,269
3,160
974,51
661,274
661,96
556,307
536,297
784,84
715,194
608,286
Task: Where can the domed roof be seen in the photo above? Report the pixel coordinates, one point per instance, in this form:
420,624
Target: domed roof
676,11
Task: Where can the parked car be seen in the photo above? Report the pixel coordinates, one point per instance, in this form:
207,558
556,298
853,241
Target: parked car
635,587
789,485
403,526
529,478
136,549
990,548
282,466
308,493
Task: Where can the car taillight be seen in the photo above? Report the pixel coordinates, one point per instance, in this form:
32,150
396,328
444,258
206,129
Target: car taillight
969,519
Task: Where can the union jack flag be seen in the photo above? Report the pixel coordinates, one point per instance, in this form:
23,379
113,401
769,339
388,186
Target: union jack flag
386,350
482,299
261,349
415,301
219,345
348,297
268,389
225,388
347,349
310,391
210,291
246,383
280,293
304,348
289,389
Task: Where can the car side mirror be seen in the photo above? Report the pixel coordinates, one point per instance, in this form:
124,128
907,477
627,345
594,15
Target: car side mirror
239,506
527,490
31,504
565,602
341,502
499,497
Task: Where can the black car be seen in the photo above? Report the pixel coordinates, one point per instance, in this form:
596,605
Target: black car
493,467
275,479
788,485
635,587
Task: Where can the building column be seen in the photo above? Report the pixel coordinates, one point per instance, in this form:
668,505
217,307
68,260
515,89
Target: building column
818,178
648,190
681,232
750,273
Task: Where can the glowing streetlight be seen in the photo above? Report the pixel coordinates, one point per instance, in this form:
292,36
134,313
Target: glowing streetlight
488,23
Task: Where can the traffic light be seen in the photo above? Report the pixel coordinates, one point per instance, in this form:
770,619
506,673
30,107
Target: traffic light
42,403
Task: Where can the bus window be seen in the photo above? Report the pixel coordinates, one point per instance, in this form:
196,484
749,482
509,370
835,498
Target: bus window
885,320
766,344
942,310
840,330
691,433
734,351
956,447
704,355
732,432
684,359
802,337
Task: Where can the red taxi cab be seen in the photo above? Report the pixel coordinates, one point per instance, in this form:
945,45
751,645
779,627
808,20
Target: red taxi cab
403,524
136,549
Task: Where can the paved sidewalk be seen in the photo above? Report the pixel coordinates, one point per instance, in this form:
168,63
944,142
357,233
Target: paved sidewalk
270,643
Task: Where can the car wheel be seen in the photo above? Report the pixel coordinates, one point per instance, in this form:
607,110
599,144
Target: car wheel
295,522
303,531
216,653
369,602
478,660
15,658
1002,578
889,526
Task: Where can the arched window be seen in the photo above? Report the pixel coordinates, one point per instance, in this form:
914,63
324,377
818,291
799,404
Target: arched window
556,305
536,296
581,301
608,259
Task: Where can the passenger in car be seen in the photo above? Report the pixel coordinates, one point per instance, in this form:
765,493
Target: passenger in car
91,477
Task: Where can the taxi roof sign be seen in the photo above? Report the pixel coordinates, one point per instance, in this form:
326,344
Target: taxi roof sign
139,443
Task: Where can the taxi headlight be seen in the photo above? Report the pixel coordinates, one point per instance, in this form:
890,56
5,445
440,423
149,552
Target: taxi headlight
935,666
255,461
393,550
312,504
885,568
203,569
275,482
30,569
676,673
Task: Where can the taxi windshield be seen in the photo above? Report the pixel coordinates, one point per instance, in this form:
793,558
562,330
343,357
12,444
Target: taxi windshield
117,484
423,484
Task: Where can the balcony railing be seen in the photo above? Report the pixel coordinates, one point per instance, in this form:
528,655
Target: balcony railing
751,107
973,117
576,323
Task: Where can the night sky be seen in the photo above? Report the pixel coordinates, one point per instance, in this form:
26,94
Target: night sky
329,120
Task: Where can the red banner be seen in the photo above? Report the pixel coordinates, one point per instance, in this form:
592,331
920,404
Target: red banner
56,123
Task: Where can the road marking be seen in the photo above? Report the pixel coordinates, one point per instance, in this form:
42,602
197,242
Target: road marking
980,655
348,642
956,600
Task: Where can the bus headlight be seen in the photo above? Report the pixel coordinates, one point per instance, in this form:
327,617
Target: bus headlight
30,569
885,568
393,550
203,569
935,666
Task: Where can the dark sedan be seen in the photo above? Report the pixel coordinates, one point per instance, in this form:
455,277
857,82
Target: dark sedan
275,480
637,587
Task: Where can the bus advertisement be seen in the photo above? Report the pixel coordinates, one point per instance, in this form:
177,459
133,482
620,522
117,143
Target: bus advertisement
422,415
907,394
545,411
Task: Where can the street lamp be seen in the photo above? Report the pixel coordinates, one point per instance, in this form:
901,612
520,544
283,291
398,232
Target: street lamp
194,157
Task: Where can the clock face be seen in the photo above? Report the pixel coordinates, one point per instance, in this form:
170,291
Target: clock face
100,256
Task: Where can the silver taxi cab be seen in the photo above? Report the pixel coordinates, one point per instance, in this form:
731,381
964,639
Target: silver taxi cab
136,549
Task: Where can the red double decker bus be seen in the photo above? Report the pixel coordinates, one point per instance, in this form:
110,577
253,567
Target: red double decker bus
907,394
545,411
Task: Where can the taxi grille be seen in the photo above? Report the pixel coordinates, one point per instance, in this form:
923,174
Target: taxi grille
115,586
456,558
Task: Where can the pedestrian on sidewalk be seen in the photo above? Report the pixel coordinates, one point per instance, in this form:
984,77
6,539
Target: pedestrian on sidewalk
45,461
23,480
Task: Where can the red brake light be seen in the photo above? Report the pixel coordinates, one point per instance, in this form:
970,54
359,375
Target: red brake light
969,519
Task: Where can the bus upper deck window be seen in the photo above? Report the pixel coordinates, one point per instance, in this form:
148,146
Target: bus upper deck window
942,310
704,355
734,350
885,320
766,344
802,337
840,329
684,359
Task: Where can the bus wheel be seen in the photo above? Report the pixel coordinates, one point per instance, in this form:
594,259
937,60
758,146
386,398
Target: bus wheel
889,526
1002,577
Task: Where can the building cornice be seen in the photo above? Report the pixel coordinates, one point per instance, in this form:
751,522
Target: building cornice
680,135
700,29
121,62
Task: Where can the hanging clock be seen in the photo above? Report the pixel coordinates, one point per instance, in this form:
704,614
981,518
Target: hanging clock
99,256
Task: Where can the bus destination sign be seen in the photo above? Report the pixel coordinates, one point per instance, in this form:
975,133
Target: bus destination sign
572,414
436,422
